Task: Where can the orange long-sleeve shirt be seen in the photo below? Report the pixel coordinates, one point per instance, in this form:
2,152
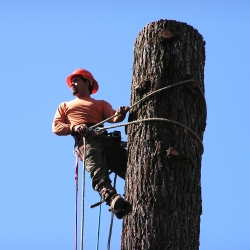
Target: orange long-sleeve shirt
78,111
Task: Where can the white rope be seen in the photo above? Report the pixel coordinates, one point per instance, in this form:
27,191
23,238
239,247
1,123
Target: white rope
112,220
144,98
153,119
83,192
157,120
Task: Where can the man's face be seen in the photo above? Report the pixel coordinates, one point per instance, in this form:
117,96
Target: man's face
77,85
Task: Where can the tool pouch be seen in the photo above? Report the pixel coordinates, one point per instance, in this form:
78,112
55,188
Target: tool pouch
116,136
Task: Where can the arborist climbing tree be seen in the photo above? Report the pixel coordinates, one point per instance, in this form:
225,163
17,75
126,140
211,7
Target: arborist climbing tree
163,178
102,151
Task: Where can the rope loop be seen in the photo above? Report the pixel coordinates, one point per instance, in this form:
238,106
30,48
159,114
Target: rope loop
98,129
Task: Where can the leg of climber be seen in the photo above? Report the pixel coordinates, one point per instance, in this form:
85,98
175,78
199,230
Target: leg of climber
96,165
114,200
116,157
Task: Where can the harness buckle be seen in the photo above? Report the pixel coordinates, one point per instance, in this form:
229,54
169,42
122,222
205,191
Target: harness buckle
100,131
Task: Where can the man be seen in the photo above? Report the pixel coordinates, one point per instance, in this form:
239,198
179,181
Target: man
102,152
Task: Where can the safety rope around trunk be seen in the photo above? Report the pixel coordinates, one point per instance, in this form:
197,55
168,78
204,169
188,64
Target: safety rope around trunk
150,94
97,128
154,120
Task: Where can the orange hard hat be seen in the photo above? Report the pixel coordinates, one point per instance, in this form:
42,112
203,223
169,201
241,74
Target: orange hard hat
85,74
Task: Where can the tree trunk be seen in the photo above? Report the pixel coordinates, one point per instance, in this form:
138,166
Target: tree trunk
163,180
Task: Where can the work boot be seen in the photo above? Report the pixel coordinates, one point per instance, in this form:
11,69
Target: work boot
114,200
116,203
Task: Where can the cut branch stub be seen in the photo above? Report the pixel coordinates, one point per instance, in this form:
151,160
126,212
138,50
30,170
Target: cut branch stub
166,34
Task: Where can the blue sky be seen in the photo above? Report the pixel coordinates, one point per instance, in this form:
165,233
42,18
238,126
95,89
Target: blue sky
44,41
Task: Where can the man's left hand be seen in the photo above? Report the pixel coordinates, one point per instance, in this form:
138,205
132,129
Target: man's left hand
81,129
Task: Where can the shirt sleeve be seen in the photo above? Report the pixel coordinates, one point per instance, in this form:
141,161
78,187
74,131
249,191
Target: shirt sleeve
59,124
108,111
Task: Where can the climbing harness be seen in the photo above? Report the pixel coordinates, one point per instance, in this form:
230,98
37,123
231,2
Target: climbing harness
97,129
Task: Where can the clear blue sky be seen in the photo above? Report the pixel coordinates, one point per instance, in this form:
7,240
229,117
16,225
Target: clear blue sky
44,41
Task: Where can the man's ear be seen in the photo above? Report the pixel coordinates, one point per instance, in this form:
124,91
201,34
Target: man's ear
87,81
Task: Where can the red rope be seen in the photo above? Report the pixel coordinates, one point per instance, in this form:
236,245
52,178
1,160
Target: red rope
76,179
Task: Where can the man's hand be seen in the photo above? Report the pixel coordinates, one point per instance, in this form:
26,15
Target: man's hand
121,113
122,110
81,129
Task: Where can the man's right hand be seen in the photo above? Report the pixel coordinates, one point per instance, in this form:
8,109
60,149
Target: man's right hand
81,129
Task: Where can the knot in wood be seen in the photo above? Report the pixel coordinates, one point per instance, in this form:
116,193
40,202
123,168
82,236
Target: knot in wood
172,152
166,34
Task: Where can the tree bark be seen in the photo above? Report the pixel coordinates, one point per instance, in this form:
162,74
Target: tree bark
163,180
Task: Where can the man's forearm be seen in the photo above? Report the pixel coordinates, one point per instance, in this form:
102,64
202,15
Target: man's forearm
119,118
61,128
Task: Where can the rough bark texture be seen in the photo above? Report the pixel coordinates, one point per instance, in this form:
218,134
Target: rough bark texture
163,186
